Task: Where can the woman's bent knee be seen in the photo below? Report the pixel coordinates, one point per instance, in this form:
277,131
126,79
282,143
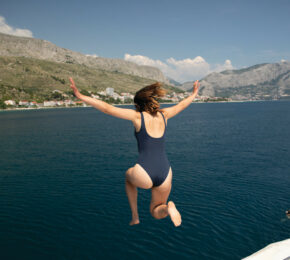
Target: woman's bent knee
152,208
159,215
153,214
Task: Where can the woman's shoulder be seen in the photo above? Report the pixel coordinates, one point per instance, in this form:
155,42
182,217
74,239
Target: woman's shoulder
137,120
163,112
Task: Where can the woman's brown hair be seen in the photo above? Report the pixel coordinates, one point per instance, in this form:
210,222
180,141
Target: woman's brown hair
146,99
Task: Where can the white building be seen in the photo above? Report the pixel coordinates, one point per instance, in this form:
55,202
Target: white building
23,103
103,93
127,95
95,96
68,102
116,96
49,103
110,91
59,103
10,102
32,103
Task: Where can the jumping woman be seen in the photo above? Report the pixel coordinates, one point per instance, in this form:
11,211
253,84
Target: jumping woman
152,170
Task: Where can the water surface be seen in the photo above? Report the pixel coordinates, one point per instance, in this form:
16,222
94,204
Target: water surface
62,186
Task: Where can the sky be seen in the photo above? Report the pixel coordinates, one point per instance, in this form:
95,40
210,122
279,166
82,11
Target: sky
185,39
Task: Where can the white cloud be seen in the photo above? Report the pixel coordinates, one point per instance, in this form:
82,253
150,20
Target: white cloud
143,60
187,69
181,70
5,28
226,66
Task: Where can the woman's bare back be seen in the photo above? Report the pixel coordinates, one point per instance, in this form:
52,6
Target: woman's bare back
154,124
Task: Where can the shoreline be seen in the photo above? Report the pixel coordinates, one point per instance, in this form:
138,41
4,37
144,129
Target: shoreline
197,102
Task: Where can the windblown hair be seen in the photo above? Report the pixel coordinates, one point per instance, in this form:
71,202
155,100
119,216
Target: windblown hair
146,99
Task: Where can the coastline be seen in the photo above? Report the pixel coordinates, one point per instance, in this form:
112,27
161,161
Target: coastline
168,103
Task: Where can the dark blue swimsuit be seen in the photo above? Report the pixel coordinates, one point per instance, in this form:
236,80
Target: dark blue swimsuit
152,156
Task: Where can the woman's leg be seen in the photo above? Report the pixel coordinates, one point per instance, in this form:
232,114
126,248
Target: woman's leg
132,194
160,194
158,207
136,177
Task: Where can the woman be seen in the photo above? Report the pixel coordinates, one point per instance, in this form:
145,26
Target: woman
152,170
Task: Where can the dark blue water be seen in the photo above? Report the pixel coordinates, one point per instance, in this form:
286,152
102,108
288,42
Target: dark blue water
62,185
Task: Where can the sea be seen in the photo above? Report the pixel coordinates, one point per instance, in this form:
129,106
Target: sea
62,183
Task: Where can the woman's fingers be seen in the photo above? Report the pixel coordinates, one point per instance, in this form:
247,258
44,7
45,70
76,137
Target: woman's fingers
73,86
72,82
196,84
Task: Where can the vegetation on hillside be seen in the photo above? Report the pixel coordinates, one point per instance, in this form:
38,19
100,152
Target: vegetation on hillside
33,79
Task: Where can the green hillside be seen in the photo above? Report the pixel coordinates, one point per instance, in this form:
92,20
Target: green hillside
33,79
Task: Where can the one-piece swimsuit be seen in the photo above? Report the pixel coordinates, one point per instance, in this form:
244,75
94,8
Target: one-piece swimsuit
152,156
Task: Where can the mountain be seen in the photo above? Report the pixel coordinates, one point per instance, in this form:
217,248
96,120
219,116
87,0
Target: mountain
174,82
35,79
186,86
258,82
44,50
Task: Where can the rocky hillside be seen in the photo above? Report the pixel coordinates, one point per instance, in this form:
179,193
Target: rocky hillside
262,81
44,50
186,86
34,79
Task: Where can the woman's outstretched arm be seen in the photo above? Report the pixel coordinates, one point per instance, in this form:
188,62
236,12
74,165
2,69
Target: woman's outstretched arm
124,113
174,110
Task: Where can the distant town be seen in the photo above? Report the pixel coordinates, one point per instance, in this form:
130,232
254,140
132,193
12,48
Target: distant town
109,96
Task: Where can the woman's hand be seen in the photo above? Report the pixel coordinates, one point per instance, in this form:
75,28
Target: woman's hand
196,87
74,88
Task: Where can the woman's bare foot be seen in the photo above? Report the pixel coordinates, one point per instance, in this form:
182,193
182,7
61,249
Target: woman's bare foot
134,222
174,214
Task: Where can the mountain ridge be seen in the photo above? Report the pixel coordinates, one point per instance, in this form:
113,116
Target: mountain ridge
42,49
257,82
34,79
